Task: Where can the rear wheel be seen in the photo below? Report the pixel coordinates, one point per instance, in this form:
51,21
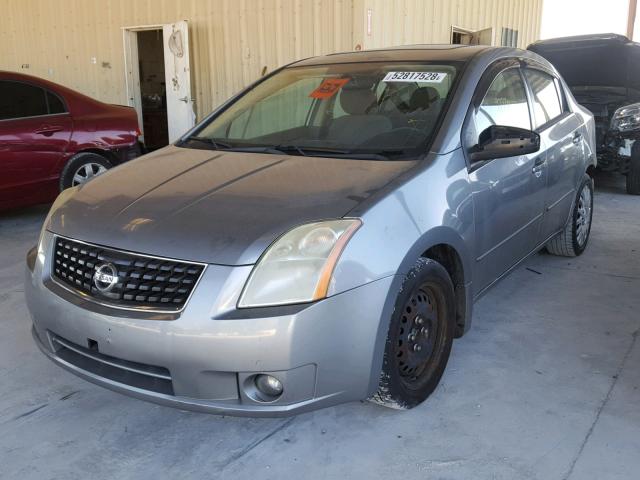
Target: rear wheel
420,337
633,177
82,168
572,241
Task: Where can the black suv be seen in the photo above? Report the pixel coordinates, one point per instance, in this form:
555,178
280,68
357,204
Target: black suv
603,72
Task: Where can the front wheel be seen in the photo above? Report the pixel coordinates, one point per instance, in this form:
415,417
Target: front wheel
573,240
420,337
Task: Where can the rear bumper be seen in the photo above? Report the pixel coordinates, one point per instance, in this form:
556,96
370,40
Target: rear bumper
129,153
324,353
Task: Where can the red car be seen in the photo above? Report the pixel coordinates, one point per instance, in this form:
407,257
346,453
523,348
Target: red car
52,138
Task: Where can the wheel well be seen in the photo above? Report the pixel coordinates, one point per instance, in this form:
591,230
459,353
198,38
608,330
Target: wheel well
591,170
448,257
107,155
103,153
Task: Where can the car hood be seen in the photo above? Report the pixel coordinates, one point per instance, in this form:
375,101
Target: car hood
214,206
617,60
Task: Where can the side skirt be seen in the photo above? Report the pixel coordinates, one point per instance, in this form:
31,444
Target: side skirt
479,295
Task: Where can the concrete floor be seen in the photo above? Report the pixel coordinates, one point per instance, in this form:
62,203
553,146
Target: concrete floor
546,385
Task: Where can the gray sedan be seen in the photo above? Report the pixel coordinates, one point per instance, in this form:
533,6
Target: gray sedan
319,238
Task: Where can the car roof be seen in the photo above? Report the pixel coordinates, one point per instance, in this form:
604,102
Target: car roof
39,81
436,52
76,102
6,74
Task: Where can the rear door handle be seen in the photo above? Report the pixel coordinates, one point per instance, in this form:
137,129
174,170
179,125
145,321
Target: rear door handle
577,136
48,130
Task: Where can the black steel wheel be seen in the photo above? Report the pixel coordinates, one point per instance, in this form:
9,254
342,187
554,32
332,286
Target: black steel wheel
420,337
416,340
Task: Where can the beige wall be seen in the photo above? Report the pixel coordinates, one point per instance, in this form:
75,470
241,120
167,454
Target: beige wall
231,40
398,22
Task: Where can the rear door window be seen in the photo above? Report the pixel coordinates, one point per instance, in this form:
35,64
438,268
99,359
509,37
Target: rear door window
547,105
22,100
55,104
18,100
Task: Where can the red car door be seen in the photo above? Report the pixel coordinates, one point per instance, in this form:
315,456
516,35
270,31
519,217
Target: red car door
35,129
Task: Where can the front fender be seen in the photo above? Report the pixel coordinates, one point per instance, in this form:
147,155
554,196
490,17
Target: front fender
433,207
436,236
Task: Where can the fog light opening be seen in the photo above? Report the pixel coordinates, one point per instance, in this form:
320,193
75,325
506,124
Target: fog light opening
269,385
266,388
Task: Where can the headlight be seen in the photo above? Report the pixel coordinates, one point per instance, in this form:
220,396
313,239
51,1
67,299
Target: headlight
298,266
62,197
41,247
626,118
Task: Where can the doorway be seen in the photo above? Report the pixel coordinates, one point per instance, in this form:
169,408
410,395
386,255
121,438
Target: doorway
153,89
158,81
463,36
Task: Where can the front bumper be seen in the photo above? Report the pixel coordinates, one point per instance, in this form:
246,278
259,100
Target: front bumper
325,353
616,155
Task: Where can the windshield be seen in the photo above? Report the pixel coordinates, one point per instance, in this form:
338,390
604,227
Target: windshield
361,110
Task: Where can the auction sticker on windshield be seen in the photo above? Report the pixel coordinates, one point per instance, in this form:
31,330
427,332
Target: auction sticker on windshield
433,77
328,88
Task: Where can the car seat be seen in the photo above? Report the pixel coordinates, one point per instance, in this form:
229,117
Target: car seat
360,123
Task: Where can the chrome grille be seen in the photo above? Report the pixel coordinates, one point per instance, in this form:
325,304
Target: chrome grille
143,282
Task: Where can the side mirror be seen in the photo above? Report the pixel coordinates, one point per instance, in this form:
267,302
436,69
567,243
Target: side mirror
499,142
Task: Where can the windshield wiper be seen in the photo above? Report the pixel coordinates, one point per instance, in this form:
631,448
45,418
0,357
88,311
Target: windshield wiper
291,149
306,150
257,149
217,144
332,152
276,149
283,149
342,153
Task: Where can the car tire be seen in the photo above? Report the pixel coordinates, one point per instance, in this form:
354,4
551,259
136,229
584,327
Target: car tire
573,240
83,165
633,177
420,337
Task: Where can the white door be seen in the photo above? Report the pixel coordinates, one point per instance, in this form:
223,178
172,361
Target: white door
482,37
132,74
180,114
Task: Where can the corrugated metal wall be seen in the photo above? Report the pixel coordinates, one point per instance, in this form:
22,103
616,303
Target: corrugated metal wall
399,22
231,40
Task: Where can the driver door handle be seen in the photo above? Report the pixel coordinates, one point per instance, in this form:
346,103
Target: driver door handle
537,166
577,136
